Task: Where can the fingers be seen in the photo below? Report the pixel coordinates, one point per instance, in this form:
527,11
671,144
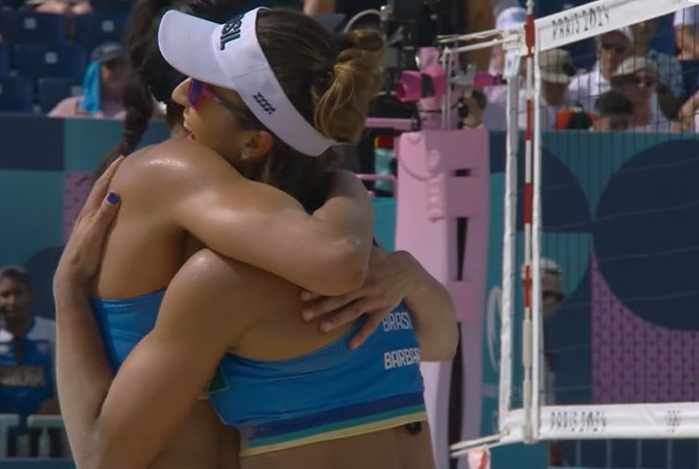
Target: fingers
309,296
341,317
96,229
101,186
367,329
328,304
108,210
351,312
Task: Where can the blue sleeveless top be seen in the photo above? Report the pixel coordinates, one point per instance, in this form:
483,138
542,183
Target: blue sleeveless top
123,323
327,394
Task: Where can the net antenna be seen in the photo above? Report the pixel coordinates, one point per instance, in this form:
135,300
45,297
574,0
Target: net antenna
533,421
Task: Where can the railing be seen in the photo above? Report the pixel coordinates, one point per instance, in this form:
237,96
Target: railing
35,443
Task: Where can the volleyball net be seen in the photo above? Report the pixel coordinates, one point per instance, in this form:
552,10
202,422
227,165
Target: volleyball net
598,326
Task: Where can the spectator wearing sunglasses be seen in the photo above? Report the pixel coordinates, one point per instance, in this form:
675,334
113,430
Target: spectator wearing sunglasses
103,86
637,79
612,49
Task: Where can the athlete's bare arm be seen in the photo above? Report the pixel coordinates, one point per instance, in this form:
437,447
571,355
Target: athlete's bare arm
392,278
126,420
254,222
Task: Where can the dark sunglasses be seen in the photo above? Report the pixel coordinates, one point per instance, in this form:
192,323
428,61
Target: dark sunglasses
198,90
647,82
616,48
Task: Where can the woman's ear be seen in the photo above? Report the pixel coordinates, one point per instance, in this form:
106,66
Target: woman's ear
257,145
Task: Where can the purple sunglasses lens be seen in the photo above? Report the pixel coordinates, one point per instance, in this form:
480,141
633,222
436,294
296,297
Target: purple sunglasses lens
196,89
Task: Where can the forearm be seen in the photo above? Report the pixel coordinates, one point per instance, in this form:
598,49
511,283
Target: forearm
83,374
259,225
433,313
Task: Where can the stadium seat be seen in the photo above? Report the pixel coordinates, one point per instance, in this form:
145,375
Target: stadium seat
99,27
8,23
111,5
53,90
4,60
11,3
40,28
16,94
37,61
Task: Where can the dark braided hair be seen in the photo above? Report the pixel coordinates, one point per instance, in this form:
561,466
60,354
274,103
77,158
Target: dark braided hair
150,76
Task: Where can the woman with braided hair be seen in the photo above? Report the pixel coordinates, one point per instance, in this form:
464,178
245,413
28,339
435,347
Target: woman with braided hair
269,93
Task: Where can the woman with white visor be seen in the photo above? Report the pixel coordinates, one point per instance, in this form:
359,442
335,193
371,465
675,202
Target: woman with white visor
299,398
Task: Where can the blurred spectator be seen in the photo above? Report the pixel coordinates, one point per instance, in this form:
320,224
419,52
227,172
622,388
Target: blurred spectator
557,71
15,308
61,7
501,5
551,298
614,112
494,117
471,109
26,349
688,115
637,79
612,49
574,118
508,18
686,31
551,286
669,68
103,86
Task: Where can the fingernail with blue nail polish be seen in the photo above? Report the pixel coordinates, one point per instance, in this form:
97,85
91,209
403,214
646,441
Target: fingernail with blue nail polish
113,198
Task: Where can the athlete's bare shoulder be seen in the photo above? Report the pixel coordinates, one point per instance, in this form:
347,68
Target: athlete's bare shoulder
173,164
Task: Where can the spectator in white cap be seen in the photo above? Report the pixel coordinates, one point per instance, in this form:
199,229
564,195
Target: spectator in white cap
557,71
637,79
612,49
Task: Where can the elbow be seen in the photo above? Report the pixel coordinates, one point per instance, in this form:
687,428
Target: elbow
101,453
92,458
346,269
451,344
444,346
443,349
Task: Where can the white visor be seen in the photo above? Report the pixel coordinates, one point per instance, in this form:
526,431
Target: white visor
229,55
